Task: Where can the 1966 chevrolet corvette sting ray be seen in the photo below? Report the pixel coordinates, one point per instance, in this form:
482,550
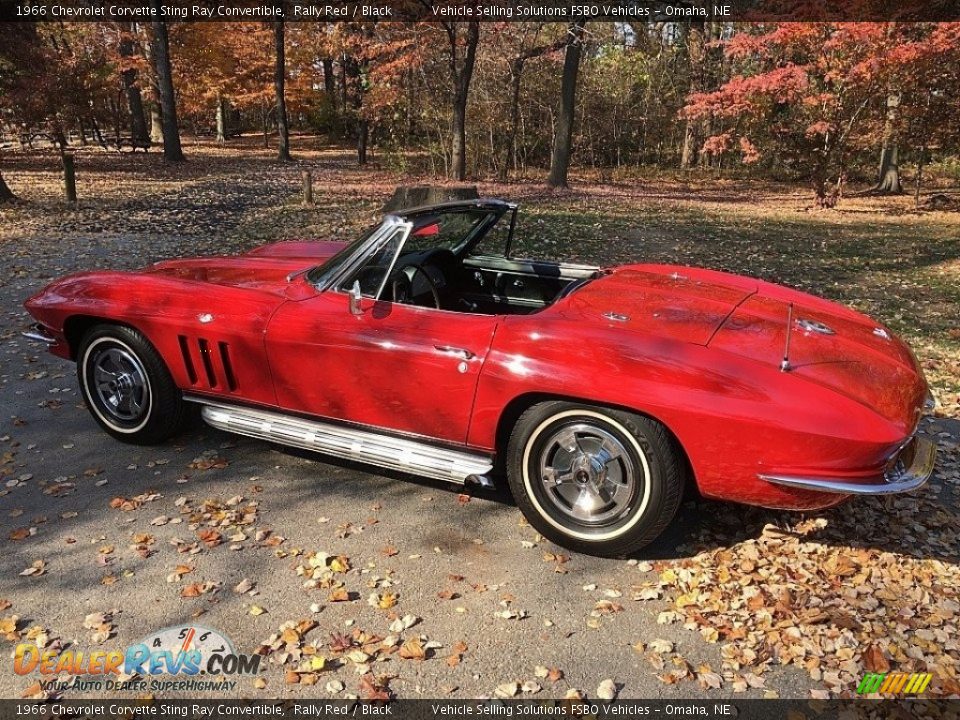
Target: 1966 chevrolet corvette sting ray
425,346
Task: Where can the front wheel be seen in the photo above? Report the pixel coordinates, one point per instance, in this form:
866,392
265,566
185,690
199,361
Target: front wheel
127,387
595,480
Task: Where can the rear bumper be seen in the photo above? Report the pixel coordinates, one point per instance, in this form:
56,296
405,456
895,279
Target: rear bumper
40,334
907,470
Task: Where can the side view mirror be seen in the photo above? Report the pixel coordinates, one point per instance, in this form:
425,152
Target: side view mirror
355,298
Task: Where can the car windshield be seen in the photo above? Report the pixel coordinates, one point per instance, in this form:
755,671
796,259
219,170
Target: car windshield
323,272
448,229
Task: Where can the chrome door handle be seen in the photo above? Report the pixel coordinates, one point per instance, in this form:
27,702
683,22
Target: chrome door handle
459,352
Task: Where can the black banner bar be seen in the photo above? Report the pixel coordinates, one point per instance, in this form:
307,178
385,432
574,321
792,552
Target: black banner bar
481,10
722,709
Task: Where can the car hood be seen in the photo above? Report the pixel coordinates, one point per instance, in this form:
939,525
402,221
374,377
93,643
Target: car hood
266,268
830,344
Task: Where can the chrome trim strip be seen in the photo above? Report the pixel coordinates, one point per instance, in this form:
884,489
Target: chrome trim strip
515,266
359,254
894,481
38,334
394,453
405,228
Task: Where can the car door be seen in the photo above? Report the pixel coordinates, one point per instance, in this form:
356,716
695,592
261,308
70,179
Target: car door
398,367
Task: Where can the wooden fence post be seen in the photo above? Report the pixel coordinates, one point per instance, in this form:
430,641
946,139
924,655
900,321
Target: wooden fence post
69,178
307,187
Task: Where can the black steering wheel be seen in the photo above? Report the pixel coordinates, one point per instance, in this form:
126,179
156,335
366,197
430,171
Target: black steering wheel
402,285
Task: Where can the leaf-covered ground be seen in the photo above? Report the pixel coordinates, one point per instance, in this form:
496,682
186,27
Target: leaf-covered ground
355,583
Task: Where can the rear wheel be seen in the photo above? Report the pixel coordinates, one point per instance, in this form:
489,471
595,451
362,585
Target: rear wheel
127,386
595,480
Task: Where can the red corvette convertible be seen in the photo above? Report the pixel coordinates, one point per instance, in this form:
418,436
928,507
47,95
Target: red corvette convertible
425,346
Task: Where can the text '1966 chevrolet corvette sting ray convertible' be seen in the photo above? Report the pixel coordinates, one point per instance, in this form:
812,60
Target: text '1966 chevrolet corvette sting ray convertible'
426,347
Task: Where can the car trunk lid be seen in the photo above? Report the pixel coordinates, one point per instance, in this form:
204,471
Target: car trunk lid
830,345
686,304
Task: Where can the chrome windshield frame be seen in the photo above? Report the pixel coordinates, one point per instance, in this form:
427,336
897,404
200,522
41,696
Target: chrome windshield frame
365,249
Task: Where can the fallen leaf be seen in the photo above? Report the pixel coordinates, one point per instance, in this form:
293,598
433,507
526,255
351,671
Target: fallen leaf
339,595
607,690
413,650
37,568
874,660
244,586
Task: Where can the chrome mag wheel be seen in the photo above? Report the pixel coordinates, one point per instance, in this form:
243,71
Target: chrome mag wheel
127,386
121,383
117,384
593,479
587,474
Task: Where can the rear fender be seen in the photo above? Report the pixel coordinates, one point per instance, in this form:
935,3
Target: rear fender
735,418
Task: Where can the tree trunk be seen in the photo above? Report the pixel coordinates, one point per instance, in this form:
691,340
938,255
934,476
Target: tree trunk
462,74
696,54
156,123
344,100
363,133
562,144
509,147
888,179
888,182
221,120
458,147
6,194
279,80
156,119
919,179
138,121
168,103
922,158
115,112
265,118
98,136
329,82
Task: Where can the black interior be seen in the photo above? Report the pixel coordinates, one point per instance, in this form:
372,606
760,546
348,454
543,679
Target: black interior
489,285
458,259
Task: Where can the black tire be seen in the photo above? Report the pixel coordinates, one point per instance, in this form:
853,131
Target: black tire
622,503
137,401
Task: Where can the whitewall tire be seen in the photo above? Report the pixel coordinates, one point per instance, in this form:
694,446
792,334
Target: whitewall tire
593,479
127,387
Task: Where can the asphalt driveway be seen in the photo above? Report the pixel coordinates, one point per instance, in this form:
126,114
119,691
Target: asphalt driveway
436,593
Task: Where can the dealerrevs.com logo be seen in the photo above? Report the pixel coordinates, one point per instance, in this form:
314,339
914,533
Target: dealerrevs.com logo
181,651
895,682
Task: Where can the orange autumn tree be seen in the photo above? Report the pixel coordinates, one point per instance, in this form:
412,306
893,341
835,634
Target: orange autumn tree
923,71
219,66
366,90
800,91
816,94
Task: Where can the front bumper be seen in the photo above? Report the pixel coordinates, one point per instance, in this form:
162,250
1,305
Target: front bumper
907,470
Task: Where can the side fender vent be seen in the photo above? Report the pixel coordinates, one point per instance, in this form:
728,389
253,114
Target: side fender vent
227,366
187,360
207,364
